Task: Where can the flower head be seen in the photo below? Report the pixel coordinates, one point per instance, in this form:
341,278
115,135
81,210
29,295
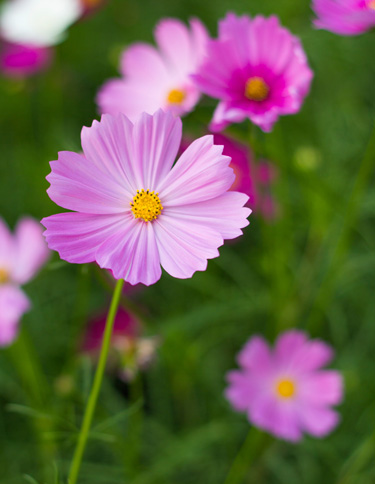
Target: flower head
18,60
285,391
38,23
345,17
158,78
134,211
21,256
257,69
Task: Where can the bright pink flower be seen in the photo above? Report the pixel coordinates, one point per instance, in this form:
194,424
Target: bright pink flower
257,70
23,60
158,78
285,391
345,17
21,256
134,211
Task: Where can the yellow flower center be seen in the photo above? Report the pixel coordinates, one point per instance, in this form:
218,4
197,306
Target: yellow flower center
285,388
176,96
4,276
372,4
256,89
146,205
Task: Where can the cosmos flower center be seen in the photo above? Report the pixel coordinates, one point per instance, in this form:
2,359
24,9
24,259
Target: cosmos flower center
285,388
146,205
371,4
256,89
4,276
176,96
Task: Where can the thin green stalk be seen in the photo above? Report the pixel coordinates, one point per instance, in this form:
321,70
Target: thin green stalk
91,404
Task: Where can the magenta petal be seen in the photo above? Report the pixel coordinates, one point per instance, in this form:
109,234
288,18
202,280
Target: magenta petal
132,254
31,250
201,173
13,304
322,388
319,421
76,236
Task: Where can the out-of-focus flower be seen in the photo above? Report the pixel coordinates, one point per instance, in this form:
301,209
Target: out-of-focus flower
21,256
134,211
38,23
22,60
158,78
130,352
257,69
285,391
345,17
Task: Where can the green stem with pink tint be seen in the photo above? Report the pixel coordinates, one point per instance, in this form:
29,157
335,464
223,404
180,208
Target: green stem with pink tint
91,403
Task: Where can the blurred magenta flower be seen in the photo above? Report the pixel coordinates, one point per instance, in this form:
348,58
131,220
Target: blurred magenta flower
158,78
21,256
345,17
130,352
134,211
257,69
18,60
285,391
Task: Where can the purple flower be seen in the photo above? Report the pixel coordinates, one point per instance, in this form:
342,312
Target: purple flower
345,17
257,70
158,78
134,211
21,256
285,391
23,60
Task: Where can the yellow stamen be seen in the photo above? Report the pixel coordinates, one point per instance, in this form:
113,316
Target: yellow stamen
146,205
256,89
285,388
176,96
4,276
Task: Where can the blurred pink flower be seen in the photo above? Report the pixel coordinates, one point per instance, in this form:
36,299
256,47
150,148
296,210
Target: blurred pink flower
257,69
158,78
21,256
23,60
134,211
285,391
345,17
129,351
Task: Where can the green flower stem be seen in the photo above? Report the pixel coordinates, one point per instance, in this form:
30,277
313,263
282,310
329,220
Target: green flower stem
91,404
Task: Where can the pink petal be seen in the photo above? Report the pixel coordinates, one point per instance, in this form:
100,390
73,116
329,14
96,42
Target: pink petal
185,247
31,250
13,304
109,146
77,236
321,388
288,344
78,184
318,421
240,390
313,355
200,38
6,247
224,115
255,355
145,64
132,254
225,214
156,142
201,173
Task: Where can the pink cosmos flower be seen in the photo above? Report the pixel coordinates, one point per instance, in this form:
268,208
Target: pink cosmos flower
257,70
158,78
134,211
285,391
23,60
21,256
345,17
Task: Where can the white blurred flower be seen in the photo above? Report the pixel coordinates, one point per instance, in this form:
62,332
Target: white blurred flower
38,22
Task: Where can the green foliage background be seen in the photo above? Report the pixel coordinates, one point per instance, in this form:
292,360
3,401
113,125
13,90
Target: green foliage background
313,268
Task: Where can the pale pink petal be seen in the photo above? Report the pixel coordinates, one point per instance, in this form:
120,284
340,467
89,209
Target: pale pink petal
144,63
201,173
6,247
13,304
240,390
225,213
313,355
78,184
224,115
200,38
255,355
132,254
31,250
156,142
288,345
317,420
77,236
321,388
